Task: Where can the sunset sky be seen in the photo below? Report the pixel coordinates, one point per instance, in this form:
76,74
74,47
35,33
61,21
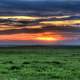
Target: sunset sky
42,22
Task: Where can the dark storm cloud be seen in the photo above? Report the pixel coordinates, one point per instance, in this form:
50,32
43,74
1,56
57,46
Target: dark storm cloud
60,30
21,7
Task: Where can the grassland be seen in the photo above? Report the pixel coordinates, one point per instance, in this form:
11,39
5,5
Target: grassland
40,63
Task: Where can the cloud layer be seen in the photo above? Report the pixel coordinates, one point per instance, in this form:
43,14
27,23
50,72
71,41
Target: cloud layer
23,7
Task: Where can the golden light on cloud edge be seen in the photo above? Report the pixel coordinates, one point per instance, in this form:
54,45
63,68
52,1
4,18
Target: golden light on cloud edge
61,23
42,23
21,17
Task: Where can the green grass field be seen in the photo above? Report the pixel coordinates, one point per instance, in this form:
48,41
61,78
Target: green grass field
40,64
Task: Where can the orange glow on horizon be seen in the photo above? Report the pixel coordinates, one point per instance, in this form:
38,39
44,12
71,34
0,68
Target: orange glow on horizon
45,36
49,36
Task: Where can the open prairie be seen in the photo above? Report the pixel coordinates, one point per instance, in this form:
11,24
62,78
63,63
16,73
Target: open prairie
40,63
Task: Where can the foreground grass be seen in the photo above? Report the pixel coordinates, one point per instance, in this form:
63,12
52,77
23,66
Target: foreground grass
40,64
